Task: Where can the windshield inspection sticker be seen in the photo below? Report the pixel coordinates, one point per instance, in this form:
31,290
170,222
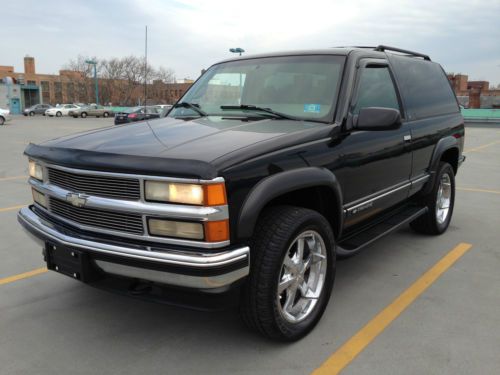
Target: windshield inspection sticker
312,108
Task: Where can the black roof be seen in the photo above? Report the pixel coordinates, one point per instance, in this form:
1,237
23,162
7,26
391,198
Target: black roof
342,51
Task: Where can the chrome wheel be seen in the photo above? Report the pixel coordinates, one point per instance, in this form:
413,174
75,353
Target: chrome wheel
302,276
443,200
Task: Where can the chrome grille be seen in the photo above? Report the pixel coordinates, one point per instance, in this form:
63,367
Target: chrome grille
102,186
110,220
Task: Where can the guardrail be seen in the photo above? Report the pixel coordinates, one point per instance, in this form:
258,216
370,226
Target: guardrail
481,115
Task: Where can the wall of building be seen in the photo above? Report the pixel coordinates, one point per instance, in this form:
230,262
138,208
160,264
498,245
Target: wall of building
4,97
490,101
72,87
8,94
477,93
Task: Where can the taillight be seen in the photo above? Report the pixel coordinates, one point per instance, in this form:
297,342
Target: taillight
132,115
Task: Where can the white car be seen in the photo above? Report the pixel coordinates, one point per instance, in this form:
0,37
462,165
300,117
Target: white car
4,116
60,110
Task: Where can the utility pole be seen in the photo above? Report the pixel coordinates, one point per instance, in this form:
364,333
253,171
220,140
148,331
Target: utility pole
93,62
146,70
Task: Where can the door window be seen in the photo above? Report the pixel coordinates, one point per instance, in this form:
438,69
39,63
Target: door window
376,89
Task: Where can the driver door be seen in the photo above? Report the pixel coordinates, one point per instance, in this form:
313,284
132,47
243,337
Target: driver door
377,164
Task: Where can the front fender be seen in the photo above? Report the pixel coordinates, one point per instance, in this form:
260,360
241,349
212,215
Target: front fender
284,182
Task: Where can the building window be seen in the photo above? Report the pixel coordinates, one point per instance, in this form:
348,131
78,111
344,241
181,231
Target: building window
70,91
45,91
58,92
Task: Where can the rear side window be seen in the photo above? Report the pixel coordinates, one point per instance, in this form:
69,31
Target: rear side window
376,89
425,88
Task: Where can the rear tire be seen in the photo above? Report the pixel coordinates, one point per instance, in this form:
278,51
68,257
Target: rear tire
58,114
440,202
283,297
105,114
84,114
32,113
2,120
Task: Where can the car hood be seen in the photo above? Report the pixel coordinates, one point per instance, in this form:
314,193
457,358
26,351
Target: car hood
198,144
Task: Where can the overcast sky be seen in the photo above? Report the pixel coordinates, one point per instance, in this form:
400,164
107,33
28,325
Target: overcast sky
188,35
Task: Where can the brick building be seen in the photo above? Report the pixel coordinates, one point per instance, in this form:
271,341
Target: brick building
72,87
474,94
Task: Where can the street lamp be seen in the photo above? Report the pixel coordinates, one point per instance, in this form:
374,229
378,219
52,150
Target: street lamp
240,51
237,50
92,62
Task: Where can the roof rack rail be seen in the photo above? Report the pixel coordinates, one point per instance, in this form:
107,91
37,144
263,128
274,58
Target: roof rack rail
369,47
383,48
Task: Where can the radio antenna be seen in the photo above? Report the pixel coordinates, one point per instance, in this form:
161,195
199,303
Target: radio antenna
145,70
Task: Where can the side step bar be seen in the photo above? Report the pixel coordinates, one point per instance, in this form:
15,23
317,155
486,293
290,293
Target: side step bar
353,243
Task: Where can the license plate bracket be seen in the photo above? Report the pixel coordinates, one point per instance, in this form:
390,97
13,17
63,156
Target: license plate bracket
70,262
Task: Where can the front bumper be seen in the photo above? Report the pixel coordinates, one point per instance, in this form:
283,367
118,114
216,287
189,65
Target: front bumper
208,270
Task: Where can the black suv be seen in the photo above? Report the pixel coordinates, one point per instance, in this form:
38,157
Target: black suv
268,169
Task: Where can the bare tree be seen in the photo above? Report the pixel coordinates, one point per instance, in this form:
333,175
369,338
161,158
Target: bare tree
121,80
82,81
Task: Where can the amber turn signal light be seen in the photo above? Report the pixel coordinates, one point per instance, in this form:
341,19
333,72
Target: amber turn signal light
215,195
217,231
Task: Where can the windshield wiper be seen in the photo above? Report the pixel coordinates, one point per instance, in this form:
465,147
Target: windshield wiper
250,107
195,107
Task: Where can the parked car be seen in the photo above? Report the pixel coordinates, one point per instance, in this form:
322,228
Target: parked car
162,107
90,110
137,114
4,116
252,192
60,110
37,109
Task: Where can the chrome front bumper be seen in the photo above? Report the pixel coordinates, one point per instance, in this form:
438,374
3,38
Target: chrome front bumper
206,270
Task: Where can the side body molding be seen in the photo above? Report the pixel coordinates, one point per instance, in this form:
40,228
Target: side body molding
443,145
284,182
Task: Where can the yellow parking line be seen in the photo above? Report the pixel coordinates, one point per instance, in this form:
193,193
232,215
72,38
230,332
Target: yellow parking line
474,149
479,190
24,275
357,343
12,208
13,178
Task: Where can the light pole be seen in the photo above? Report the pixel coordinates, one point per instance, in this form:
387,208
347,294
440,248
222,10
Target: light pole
92,62
237,50
240,51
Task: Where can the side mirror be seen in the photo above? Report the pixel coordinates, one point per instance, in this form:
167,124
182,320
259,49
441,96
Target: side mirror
377,118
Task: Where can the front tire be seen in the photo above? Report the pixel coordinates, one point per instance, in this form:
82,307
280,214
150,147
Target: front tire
105,114
32,113
58,114
2,121
440,202
291,274
84,114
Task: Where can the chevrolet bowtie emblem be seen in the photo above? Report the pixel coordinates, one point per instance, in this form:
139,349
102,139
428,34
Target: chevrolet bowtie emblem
76,199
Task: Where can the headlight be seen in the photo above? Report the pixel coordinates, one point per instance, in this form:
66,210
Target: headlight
39,198
210,195
35,170
180,229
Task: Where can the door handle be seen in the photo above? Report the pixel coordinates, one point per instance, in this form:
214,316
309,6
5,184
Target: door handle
407,138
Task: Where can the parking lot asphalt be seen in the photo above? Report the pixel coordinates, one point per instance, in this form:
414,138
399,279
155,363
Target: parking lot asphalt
51,324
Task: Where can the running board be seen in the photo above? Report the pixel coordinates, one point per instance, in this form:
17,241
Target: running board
355,242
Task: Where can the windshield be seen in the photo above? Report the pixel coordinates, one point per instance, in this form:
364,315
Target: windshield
302,87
